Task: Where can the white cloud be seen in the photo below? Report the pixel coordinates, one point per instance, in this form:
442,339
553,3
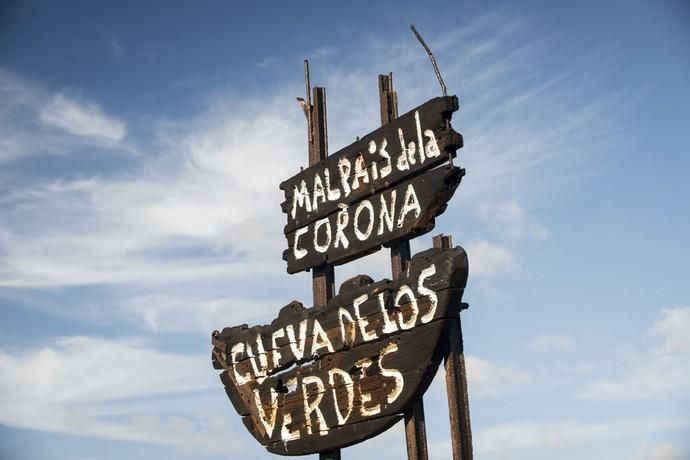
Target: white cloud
673,329
37,121
519,435
200,207
487,259
107,388
114,45
561,434
664,451
509,219
205,184
656,373
81,118
161,312
216,201
85,369
552,343
487,379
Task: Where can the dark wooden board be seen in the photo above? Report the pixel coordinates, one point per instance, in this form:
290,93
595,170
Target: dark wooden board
297,404
416,360
347,436
369,173
404,211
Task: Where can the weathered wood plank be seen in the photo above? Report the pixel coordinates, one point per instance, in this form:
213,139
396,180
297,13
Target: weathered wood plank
374,352
344,436
407,210
383,380
415,142
295,325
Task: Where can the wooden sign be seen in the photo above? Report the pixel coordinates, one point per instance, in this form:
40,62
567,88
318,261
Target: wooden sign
406,210
351,190
316,379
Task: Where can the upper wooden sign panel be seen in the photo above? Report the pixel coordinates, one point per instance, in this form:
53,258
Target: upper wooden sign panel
364,194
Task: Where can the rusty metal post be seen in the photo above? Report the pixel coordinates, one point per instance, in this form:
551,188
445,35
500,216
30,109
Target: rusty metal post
456,382
415,425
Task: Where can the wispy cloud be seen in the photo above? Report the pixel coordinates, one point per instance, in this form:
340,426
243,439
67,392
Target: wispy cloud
114,45
659,372
665,451
198,211
81,118
559,434
37,121
673,328
107,388
552,343
487,259
509,219
488,379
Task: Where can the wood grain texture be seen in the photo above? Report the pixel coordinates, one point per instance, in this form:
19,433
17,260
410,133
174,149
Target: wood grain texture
433,115
372,369
367,226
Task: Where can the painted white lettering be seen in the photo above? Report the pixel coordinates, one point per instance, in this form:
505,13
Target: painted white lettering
300,197
410,204
296,250
363,235
386,170
361,172
332,194
420,141
268,421
399,380
235,353
402,164
411,151
366,398
374,167
320,339
386,214
423,290
275,351
405,291
285,433
344,168
327,225
341,222
363,322
350,338
388,326
260,368
297,347
313,405
319,192
349,388
432,150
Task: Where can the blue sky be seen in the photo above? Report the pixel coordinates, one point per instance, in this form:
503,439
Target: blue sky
141,148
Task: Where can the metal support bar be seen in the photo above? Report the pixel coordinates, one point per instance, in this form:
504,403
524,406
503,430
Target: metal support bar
456,383
415,425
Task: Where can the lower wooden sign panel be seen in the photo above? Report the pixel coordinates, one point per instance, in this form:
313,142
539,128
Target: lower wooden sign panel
323,378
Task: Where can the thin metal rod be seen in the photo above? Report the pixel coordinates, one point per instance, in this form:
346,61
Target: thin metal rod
308,108
433,60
